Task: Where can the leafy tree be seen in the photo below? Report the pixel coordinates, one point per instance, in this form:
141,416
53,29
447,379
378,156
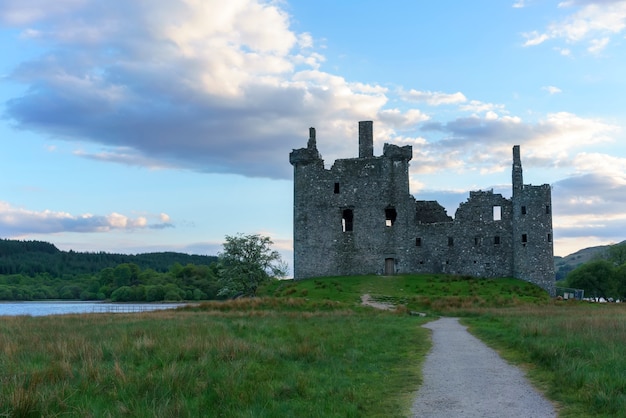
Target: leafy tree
122,294
246,262
597,278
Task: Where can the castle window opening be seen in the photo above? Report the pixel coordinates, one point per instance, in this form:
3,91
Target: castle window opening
496,240
547,209
497,213
347,220
390,216
523,210
450,241
476,241
336,190
549,237
418,242
524,238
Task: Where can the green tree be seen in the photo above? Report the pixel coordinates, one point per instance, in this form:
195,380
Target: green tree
246,262
597,278
122,294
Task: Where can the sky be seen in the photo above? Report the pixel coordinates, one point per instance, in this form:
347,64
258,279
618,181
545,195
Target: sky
134,126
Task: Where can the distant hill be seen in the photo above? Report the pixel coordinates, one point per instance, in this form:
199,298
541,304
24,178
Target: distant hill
36,257
563,265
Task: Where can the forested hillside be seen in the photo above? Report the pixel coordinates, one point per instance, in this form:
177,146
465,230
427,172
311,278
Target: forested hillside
35,257
34,270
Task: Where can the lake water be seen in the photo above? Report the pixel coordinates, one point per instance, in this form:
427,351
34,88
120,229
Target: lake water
43,308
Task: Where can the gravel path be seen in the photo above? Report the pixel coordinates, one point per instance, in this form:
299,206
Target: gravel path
465,378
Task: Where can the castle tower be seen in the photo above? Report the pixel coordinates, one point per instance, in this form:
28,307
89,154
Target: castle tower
308,172
533,252
354,218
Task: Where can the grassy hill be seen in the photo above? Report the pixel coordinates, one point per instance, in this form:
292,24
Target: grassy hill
424,292
563,265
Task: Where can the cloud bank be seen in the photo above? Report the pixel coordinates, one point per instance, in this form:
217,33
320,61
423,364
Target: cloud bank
18,221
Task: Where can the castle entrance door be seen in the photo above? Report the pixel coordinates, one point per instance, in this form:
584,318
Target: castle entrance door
390,266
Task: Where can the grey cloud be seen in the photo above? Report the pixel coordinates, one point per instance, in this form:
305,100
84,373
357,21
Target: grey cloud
590,205
590,194
191,132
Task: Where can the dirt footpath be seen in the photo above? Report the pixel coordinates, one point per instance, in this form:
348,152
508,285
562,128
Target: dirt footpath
465,378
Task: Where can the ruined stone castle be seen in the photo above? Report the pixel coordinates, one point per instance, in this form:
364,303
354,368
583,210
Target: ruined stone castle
358,217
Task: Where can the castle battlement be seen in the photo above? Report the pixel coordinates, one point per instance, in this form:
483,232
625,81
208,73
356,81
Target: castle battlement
358,217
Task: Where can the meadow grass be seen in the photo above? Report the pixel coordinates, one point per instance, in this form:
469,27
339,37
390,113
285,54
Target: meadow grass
575,352
254,358
306,348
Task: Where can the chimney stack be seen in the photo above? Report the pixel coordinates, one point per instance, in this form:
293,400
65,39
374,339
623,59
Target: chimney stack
366,139
518,180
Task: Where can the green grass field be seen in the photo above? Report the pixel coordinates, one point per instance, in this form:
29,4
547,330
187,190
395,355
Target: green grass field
305,349
255,358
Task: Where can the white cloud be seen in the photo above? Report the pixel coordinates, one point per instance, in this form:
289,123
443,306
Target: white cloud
398,119
476,106
564,51
19,221
598,45
552,89
535,38
598,163
484,143
594,21
434,98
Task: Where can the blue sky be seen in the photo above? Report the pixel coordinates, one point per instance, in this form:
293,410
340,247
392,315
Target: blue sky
136,126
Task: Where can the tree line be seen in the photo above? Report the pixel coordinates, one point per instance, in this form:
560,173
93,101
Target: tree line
35,270
603,277
31,258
